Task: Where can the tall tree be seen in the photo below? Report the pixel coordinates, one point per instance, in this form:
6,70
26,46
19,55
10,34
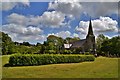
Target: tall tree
69,39
7,43
26,43
54,43
99,40
111,47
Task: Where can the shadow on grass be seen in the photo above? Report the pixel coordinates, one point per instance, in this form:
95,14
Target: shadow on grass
7,65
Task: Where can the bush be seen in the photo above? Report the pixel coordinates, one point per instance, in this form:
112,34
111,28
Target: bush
52,52
87,53
41,59
67,51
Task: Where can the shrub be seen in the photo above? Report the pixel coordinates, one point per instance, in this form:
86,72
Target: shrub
67,51
87,53
41,59
52,52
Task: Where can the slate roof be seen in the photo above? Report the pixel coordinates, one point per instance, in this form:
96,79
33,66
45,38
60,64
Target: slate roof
78,43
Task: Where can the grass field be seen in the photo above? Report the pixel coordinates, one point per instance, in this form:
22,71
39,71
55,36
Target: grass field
102,67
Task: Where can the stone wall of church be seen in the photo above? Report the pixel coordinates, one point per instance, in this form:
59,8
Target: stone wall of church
89,45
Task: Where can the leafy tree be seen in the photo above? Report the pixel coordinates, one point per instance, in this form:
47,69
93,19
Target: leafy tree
69,39
111,47
7,44
10,47
38,44
54,43
99,40
26,43
42,49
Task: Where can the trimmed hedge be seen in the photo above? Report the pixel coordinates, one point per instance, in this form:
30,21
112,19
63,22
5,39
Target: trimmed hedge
37,59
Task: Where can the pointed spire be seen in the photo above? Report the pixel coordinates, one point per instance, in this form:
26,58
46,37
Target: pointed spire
90,31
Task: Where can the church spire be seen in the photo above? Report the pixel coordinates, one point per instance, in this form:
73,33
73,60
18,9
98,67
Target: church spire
90,30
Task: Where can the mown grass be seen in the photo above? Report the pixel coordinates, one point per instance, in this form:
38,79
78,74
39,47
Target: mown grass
102,67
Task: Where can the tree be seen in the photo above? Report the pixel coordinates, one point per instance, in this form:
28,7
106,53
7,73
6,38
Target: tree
38,44
7,44
42,49
99,40
69,39
54,44
111,47
26,43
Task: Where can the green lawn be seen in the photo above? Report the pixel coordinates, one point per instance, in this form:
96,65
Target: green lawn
102,67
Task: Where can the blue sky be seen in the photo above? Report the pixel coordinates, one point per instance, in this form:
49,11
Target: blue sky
34,21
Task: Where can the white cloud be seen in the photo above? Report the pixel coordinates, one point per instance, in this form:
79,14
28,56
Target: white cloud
88,0
25,2
50,19
17,19
96,9
62,34
101,25
62,0
71,9
74,8
21,33
65,34
75,35
18,26
13,28
83,27
8,5
30,38
23,20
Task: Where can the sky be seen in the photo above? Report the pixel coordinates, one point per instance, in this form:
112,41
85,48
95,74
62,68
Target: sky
34,21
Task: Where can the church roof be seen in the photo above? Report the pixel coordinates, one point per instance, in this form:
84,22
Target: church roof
78,43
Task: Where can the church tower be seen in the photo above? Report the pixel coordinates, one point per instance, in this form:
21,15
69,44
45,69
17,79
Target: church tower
90,39
90,30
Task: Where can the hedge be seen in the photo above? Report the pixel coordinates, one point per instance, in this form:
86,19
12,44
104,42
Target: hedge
41,59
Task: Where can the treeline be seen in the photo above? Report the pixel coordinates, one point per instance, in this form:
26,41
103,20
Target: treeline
108,47
10,47
53,45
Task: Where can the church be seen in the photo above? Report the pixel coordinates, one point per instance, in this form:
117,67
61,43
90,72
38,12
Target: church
87,44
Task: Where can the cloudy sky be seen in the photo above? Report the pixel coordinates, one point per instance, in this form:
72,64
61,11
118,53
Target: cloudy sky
34,21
